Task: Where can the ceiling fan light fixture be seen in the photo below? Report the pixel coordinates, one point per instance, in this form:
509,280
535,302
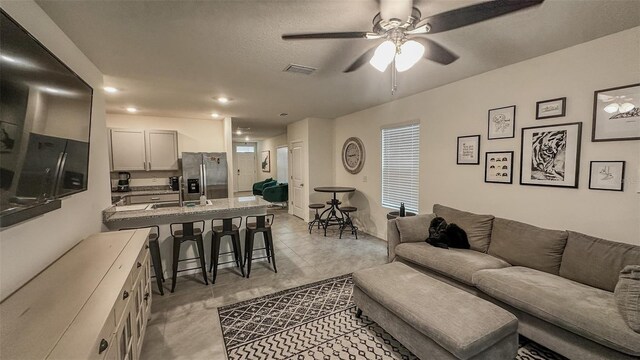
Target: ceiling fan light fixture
626,107
410,52
383,56
611,108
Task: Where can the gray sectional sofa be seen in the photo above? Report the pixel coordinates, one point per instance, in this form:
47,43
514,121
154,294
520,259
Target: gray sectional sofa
559,284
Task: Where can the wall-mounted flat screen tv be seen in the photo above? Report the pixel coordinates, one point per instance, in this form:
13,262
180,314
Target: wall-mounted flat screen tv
45,120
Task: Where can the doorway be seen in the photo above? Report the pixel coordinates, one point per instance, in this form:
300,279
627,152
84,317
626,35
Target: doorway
297,180
245,166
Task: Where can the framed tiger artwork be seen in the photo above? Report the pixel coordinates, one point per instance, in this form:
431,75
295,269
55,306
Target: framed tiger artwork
550,155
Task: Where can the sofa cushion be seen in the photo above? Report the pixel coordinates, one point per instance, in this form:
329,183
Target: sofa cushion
584,310
522,244
596,262
477,227
459,264
627,294
414,228
462,323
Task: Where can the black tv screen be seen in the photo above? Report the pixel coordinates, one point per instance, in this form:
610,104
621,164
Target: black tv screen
45,122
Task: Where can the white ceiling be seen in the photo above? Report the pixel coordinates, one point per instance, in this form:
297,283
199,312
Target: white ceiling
171,58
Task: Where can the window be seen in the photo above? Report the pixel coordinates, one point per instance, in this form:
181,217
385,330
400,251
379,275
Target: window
400,163
245,149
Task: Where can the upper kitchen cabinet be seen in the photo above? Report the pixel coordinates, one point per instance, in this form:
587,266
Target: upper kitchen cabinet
143,150
162,149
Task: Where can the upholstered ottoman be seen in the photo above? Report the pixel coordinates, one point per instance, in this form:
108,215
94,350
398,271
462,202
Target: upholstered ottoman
433,319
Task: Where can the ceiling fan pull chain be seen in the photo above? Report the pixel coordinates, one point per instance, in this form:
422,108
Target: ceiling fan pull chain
394,77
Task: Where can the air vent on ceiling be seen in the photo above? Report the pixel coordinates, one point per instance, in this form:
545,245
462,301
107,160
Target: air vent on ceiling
299,69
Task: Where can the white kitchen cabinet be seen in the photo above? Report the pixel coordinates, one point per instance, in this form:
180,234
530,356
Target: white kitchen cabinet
128,151
162,149
143,150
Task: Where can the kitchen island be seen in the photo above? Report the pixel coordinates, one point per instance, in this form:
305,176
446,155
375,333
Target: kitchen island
164,214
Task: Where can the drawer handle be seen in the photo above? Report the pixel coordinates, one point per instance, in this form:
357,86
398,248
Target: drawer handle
138,265
155,198
125,295
104,344
146,246
146,298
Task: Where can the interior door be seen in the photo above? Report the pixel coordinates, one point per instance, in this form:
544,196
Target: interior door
246,170
297,180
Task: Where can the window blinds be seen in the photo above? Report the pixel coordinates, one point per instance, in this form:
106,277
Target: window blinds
400,165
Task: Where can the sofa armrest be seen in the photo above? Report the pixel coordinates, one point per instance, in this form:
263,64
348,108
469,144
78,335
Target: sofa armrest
393,239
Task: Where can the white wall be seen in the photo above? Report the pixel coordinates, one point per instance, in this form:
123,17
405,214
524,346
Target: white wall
461,108
27,248
194,135
270,144
318,141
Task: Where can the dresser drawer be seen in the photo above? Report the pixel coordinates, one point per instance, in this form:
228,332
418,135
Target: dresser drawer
138,266
141,199
123,300
106,339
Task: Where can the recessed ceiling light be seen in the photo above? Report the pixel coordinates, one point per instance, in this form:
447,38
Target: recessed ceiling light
246,138
238,132
223,99
132,109
110,89
215,115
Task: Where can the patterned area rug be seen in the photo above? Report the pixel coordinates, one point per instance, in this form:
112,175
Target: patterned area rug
317,321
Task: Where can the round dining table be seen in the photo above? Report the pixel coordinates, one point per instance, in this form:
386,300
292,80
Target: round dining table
332,212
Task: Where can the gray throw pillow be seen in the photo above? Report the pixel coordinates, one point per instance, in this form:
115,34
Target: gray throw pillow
414,228
627,295
477,227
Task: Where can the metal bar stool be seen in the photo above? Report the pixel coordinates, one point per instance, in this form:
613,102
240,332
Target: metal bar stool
316,220
262,225
218,231
154,249
187,233
347,220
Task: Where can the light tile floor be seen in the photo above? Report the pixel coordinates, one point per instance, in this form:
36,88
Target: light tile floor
185,324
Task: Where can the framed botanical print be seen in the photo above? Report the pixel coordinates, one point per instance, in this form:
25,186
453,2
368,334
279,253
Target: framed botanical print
502,123
616,114
266,161
606,175
550,155
498,167
468,150
553,108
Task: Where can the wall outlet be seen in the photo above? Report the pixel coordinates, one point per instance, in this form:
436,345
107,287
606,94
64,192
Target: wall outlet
364,178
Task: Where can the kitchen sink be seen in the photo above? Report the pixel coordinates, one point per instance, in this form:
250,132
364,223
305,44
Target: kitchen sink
163,205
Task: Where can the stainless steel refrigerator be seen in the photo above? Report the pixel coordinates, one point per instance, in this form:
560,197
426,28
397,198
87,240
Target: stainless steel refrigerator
204,173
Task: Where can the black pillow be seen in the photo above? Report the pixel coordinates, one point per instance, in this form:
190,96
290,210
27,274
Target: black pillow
445,235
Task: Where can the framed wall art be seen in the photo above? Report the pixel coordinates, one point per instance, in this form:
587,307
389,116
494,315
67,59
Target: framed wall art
498,167
468,150
616,114
550,155
502,123
552,108
606,175
265,163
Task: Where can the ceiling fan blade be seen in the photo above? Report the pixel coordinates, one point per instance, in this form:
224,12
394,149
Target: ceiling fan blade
473,14
436,52
336,35
363,59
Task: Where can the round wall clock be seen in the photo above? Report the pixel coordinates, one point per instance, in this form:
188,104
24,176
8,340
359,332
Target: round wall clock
353,155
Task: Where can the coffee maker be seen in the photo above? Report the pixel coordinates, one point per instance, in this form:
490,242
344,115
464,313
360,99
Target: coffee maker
123,181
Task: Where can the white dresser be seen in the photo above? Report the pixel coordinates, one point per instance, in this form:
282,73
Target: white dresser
91,303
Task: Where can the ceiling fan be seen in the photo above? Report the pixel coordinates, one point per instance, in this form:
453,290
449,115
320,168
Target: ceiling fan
403,31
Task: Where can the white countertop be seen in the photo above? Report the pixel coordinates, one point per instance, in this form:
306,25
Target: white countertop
141,211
